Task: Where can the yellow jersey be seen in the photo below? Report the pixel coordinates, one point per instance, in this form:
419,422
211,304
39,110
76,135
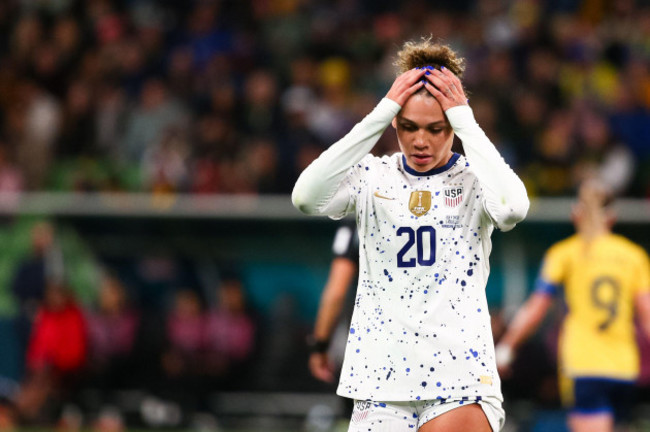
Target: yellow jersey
600,281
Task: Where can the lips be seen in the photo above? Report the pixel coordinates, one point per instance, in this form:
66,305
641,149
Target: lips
421,158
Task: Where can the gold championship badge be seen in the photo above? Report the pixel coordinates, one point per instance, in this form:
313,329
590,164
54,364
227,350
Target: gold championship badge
420,202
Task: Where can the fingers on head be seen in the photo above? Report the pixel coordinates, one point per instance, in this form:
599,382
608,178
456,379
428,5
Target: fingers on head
417,72
449,74
433,90
437,81
449,77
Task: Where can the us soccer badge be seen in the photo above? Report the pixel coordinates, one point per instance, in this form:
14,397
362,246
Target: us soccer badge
420,202
453,196
360,411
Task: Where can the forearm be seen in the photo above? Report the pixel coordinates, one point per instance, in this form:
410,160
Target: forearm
506,199
527,320
328,315
645,328
320,181
643,313
333,297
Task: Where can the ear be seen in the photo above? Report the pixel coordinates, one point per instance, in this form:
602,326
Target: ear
394,122
575,214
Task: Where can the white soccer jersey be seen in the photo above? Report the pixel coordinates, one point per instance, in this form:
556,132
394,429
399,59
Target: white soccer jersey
421,327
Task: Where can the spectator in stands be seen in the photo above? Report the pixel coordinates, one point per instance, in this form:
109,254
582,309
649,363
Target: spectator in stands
330,118
38,124
41,265
214,144
7,417
261,158
77,137
112,331
56,355
184,332
600,155
165,165
181,358
26,37
260,112
554,153
12,181
147,124
238,63
230,334
110,118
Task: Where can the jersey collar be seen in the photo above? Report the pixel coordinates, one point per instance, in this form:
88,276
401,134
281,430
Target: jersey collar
445,167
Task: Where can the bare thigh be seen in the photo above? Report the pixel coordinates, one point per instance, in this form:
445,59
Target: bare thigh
591,423
465,418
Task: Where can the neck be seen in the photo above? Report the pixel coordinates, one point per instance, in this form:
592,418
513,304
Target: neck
593,225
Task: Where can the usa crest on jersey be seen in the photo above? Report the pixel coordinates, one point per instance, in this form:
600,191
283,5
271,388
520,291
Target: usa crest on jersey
453,196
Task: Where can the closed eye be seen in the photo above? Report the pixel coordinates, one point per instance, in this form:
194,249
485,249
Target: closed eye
408,127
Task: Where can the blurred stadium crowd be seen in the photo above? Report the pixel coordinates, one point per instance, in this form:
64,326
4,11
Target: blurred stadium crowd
114,354
238,96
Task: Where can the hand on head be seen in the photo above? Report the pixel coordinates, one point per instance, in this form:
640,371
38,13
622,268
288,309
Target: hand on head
441,83
445,87
405,85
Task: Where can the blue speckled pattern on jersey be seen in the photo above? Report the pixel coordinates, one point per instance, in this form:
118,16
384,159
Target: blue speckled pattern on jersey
420,332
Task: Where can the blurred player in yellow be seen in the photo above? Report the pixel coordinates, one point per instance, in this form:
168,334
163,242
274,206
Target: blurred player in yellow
604,280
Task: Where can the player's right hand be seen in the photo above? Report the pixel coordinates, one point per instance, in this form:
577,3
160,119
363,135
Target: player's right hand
504,356
321,367
405,85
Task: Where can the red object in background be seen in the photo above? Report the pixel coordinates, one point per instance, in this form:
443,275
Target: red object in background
59,340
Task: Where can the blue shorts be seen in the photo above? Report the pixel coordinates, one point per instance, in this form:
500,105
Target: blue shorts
603,395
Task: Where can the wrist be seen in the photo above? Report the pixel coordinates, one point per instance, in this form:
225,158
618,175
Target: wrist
389,105
460,116
317,345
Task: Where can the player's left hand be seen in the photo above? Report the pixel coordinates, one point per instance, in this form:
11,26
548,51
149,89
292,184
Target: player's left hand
446,88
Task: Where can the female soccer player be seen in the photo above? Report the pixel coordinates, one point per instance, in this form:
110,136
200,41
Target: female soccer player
604,280
420,354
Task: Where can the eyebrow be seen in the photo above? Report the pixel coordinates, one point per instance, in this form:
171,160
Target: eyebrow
436,123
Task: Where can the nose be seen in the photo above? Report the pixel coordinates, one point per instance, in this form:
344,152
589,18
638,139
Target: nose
420,141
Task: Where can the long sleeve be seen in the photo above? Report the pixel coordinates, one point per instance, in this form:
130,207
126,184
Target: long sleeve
317,190
506,200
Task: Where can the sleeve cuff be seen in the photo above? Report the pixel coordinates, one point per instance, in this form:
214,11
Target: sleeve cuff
389,107
460,116
545,287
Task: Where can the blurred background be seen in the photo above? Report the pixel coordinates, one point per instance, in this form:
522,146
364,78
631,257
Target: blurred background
147,153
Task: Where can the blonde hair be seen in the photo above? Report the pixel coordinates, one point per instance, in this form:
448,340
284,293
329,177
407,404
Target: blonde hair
427,53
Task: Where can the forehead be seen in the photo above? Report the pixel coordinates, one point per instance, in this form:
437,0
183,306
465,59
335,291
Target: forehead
422,109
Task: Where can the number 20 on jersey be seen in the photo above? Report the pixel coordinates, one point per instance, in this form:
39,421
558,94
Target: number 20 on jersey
424,240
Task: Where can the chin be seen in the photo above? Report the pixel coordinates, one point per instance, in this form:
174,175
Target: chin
424,168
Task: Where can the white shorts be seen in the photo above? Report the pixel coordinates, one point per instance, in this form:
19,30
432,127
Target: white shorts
371,416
